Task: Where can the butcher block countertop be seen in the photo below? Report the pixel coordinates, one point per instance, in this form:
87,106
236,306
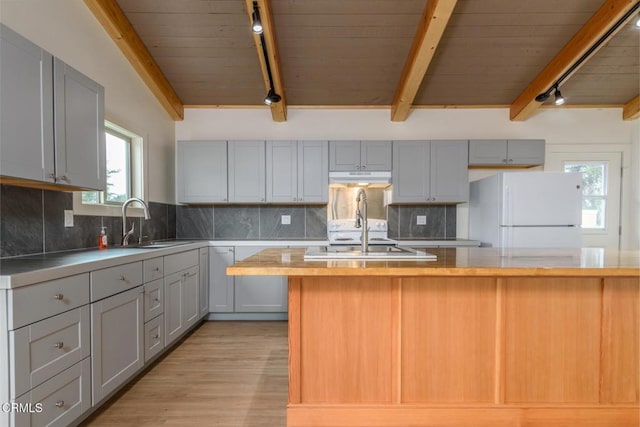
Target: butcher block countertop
451,262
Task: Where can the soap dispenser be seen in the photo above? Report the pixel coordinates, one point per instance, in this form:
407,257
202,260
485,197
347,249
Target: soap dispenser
102,239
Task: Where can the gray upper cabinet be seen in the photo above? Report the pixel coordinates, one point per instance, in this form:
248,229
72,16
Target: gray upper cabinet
360,155
430,172
449,177
501,152
297,171
26,122
247,177
202,171
38,91
313,171
80,157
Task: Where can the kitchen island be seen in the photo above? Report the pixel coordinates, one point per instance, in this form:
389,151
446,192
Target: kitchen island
479,337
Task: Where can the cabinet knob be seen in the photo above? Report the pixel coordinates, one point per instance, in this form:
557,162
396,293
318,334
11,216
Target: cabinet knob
364,166
510,160
65,178
156,336
156,269
60,403
58,345
295,199
224,200
262,199
156,300
124,279
358,167
59,296
504,160
230,249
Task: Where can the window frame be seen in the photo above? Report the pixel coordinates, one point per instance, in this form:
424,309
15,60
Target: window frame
604,196
136,183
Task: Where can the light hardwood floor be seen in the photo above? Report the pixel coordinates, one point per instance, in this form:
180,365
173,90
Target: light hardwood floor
225,374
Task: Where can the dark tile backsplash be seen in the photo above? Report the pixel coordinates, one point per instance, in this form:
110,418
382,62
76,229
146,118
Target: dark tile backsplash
32,222
440,221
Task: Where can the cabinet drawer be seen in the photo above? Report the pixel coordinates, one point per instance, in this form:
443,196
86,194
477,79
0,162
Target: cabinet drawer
152,269
29,304
64,398
153,337
112,280
43,349
180,261
153,299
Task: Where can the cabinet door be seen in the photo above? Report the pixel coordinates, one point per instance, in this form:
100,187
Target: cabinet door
26,122
203,275
202,171
525,151
173,307
247,175
191,297
282,171
80,153
344,155
449,171
313,171
117,341
375,155
487,151
410,175
259,293
220,285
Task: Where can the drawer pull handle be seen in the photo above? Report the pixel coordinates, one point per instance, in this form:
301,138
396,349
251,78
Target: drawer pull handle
124,279
60,403
59,345
59,296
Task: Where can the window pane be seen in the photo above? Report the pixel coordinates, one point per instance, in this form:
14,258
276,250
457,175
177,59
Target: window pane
118,181
593,212
593,177
91,197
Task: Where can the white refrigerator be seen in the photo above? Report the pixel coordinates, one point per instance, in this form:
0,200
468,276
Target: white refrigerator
527,210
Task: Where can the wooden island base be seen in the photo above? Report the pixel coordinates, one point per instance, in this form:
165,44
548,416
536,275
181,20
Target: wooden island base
376,351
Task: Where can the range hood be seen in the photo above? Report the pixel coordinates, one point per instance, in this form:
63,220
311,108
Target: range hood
378,179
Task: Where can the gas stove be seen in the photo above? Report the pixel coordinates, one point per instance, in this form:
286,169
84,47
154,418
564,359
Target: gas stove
345,232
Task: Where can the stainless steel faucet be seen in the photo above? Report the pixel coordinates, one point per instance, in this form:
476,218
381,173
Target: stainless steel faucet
361,220
127,234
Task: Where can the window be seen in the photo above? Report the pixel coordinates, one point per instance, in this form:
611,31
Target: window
124,174
594,192
119,156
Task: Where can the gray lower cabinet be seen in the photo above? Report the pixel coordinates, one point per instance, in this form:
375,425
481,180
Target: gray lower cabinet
52,122
203,286
220,285
116,341
181,294
360,155
247,175
297,171
201,170
502,152
258,293
430,172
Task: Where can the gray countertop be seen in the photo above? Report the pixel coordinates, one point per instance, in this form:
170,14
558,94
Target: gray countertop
30,269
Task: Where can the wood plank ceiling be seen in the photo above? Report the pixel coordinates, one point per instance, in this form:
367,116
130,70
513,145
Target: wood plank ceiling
351,53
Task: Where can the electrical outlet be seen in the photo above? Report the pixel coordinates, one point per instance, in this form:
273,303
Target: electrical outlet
285,219
68,218
421,220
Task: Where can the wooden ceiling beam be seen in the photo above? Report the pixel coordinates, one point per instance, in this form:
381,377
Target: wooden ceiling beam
601,22
278,109
434,20
123,34
631,109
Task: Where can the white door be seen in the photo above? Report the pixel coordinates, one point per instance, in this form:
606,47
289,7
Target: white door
601,193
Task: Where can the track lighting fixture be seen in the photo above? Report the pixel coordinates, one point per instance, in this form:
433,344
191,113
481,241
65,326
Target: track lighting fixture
559,99
256,26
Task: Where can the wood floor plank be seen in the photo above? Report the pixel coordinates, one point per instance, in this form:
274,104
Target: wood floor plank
227,374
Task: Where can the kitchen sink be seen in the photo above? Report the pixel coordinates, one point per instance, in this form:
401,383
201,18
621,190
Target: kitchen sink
339,252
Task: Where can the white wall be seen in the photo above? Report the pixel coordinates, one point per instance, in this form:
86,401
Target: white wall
68,30
591,128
